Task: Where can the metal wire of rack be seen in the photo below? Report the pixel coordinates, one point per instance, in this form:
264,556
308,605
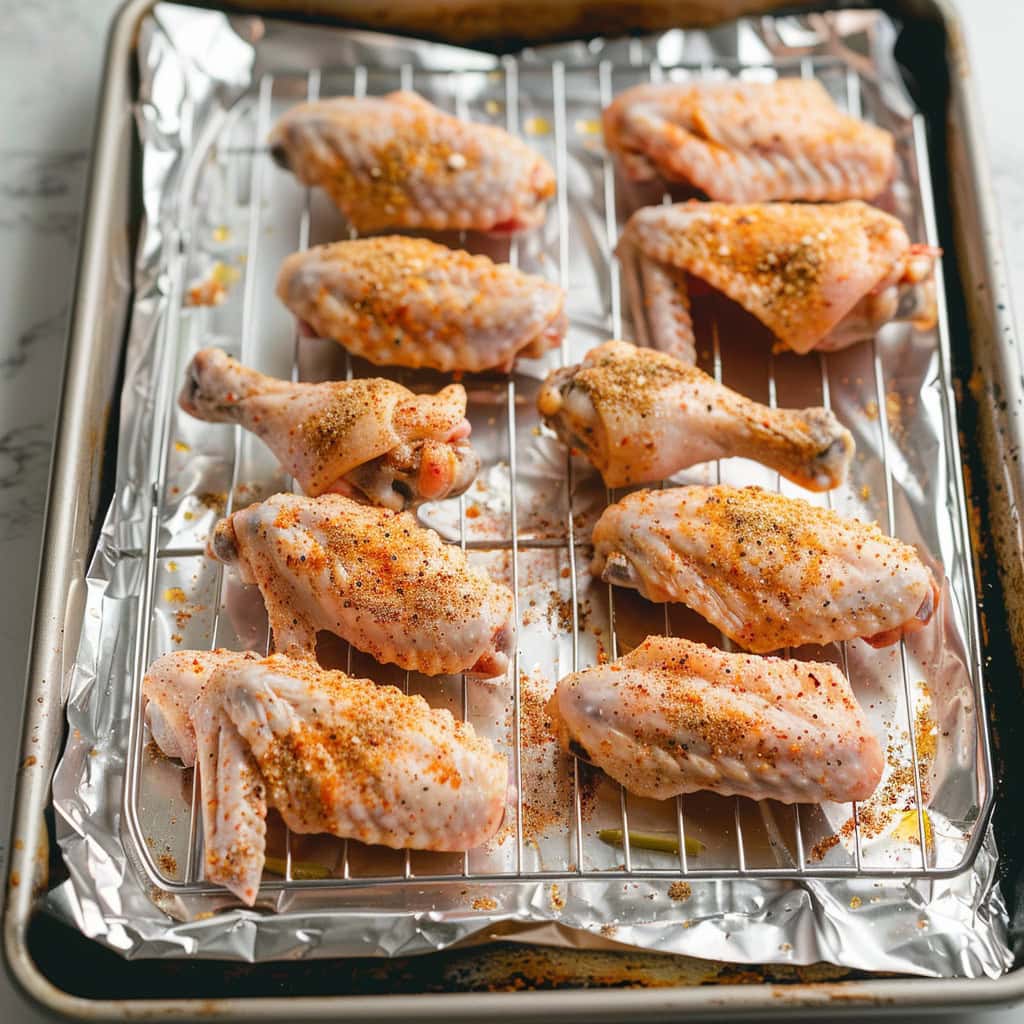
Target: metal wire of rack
255,110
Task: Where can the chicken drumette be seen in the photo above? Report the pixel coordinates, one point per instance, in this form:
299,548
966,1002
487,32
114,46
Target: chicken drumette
770,572
411,302
372,576
369,438
640,416
674,717
743,142
396,161
330,752
818,277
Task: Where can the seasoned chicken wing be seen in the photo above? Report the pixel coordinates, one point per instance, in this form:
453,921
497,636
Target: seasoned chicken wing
410,302
372,576
370,439
330,752
640,416
675,717
818,277
768,571
743,142
396,161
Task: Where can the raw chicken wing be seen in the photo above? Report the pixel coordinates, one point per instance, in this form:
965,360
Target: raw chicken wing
818,277
640,416
372,438
331,753
411,302
396,161
768,571
743,142
675,717
372,576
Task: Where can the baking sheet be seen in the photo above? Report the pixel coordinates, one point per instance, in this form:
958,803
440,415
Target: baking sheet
217,209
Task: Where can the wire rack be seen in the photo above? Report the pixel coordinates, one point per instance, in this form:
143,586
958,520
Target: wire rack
556,107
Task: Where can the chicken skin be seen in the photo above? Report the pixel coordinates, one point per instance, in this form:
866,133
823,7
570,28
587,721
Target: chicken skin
768,571
675,717
330,752
411,302
373,577
396,161
818,277
745,142
370,439
640,416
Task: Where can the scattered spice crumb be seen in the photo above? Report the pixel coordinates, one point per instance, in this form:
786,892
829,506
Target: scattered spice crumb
216,501
177,638
174,595
473,512
557,899
184,616
855,902
680,891
485,903
609,930
871,410
822,847
212,290
865,493
894,409
172,566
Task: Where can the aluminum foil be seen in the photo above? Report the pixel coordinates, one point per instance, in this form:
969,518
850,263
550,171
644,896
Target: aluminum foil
219,217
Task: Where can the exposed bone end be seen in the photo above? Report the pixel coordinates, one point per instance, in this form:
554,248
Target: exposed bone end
204,393
617,570
279,154
832,462
223,543
549,398
298,278
548,338
412,474
919,620
495,662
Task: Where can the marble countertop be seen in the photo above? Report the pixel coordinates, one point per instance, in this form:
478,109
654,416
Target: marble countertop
46,119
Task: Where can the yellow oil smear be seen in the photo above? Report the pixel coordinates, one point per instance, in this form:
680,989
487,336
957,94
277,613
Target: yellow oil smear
175,595
221,233
537,126
180,446
224,275
301,870
907,831
493,107
589,126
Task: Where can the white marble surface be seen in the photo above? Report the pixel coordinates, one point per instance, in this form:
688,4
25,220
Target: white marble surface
48,92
